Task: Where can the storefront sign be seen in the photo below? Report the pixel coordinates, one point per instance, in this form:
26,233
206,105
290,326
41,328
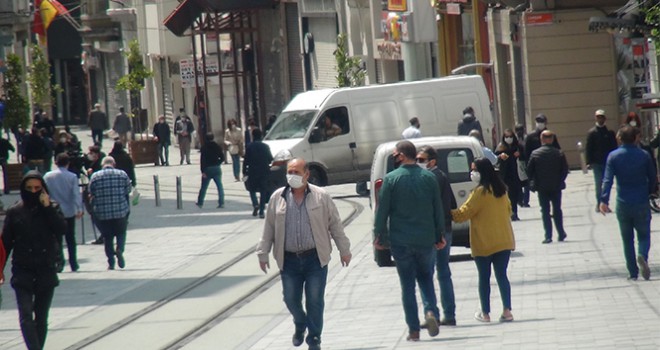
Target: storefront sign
389,50
397,5
187,72
539,19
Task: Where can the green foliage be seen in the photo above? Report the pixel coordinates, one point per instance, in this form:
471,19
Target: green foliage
39,78
137,71
17,109
349,71
652,19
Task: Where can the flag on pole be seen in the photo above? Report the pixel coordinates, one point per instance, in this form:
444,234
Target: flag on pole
38,24
49,10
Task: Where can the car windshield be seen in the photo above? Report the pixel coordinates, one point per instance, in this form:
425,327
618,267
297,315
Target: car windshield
291,125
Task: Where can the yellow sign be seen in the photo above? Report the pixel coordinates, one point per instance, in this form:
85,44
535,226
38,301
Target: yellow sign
397,5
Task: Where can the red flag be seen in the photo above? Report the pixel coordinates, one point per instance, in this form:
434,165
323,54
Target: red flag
38,24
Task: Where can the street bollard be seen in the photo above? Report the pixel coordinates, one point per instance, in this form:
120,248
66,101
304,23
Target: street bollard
157,190
179,199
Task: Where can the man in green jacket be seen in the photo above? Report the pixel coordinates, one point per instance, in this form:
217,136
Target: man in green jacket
410,199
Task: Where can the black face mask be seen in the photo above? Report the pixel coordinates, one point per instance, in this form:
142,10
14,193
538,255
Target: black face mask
30,199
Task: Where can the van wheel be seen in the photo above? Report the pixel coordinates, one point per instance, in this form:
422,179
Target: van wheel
316,177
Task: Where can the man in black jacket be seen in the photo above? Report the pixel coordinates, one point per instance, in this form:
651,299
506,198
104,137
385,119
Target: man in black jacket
469,123
547,169
162,134
31,230
5,147
600,142
533,139
256,167
210,159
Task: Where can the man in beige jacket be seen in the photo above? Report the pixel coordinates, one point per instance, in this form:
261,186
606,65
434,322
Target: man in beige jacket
300,222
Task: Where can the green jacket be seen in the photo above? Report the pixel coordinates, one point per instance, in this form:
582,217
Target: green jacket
410,199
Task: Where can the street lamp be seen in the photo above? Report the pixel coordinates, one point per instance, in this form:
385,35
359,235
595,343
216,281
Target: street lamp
494,106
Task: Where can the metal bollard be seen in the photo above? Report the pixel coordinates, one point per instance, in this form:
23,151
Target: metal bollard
179,199
157,190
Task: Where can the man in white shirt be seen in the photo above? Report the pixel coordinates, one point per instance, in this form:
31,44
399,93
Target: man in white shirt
412,132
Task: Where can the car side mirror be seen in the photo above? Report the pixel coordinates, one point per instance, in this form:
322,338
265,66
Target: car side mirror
316,136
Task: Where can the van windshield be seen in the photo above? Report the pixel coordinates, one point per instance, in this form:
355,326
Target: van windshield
291,125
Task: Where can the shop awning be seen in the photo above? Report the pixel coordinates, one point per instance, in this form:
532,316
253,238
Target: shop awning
184,16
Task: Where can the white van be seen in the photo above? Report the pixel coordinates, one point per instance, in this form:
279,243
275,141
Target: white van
455,156
365,117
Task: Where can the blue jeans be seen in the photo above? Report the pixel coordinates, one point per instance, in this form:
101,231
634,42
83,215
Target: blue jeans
164,153
444,279
305,274
545,198
236,165
415,264
500,261
634,217
110,229
212,173
598,170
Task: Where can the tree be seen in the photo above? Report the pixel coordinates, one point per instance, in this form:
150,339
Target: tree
17,109
349,69
39,78
133,82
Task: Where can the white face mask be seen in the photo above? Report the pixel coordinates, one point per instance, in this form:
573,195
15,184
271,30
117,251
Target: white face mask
540,126
475,176
423,165
508,140
295,181
633,123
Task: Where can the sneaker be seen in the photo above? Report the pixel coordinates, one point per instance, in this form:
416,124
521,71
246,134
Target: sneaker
98,240
562,237
515,217
413,336
261,215
199,205
314,343
631,278
546,241
432,324
481,317
448,322
644,267
220,206
298,337
111,267
255,211
506,318
120,260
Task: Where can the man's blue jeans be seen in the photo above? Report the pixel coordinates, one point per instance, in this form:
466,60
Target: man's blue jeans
212,173
305,274
545,198
236,165
444,279
634,217
164,153
598,170
110,229
415,264
500,262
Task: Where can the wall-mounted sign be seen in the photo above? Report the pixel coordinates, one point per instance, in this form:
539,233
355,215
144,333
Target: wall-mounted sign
397,5
539,19
454,9
187,72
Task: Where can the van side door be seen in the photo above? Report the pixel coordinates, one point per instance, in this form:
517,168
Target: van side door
332,144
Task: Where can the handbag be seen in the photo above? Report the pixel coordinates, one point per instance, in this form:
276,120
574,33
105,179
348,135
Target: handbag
522,170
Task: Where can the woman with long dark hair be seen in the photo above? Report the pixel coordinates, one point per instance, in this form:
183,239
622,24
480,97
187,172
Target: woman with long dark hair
508,153
491,235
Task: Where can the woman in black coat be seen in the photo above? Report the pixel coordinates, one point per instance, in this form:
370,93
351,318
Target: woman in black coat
256,166
508,153
31,231
123,161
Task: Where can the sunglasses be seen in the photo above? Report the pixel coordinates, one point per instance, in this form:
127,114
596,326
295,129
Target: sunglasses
422,160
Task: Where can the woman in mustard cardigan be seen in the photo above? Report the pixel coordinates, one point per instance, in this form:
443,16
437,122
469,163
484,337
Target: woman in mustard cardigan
491,237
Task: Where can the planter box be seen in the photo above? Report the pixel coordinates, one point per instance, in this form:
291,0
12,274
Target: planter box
144,151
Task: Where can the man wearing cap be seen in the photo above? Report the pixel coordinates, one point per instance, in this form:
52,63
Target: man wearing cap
600,142
533,139
412,132
98,122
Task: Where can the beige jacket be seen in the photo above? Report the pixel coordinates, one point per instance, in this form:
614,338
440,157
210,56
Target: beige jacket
324,219
234,141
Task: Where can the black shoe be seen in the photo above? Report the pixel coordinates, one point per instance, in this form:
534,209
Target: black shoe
448,322
314,343
75,267
98,240
644,267
525,205
546,241
220,206
199,205
562,237
111,267
515,217
120,260
255,211
261,215
298,337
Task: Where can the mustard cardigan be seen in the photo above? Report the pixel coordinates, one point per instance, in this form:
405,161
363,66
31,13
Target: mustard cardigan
490,222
